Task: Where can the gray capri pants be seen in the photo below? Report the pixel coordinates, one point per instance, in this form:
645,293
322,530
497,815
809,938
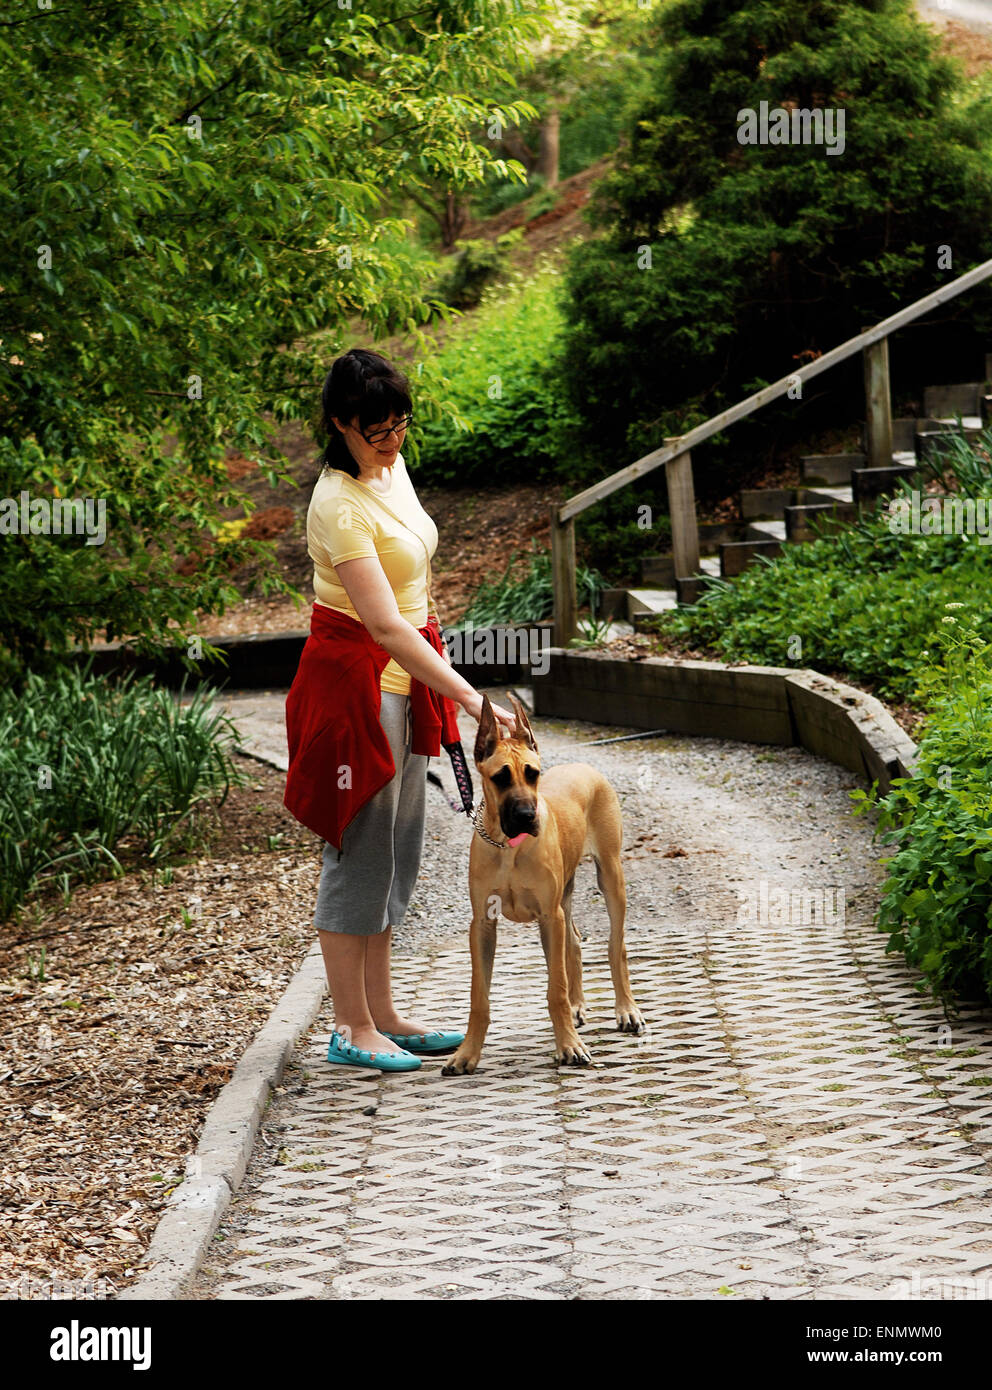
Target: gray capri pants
368,887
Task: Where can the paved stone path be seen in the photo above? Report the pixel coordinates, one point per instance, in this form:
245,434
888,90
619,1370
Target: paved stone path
797,1122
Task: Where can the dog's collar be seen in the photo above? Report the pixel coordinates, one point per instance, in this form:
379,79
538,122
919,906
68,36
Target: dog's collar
478,826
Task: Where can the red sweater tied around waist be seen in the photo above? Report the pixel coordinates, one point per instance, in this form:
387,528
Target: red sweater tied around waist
339,755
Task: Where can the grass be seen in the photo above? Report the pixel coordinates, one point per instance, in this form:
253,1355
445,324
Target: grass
87,767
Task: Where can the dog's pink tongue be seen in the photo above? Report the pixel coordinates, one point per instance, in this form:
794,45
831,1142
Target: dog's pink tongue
517,838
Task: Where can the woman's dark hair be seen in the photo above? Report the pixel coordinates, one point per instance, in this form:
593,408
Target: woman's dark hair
359,383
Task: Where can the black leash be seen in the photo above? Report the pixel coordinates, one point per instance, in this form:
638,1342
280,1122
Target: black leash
462,776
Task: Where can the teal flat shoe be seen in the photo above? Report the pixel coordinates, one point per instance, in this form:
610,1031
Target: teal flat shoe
343,1052
427,1043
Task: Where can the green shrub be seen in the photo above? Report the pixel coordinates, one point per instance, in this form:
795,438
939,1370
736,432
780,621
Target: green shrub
495,369
937,899
85,765
544,200
864,604
529,599
610,537
475,265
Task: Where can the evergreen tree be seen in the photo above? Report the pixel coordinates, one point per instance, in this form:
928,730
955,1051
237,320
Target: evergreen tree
725,264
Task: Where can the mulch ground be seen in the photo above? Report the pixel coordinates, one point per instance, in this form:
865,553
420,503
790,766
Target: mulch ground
122,1015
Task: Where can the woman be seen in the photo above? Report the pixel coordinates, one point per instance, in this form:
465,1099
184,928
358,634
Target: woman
358,774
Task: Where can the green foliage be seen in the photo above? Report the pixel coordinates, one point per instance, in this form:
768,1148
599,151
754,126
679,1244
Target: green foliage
475,265
590,65
760,253
937,899
86,766
592,121
864,603
194,206
543,201
529,599
610,535
495,370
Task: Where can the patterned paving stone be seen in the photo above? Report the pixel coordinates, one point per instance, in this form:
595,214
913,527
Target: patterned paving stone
787,1128
797,1123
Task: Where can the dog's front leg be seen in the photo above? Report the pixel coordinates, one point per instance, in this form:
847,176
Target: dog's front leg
482,942
568,1045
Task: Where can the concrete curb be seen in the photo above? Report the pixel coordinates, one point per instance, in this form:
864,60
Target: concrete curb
268,660
215,1172
711,699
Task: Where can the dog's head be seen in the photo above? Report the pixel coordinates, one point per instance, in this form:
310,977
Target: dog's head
510,768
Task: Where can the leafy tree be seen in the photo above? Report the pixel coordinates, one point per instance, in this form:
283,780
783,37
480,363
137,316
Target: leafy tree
721,265
195,206
586,67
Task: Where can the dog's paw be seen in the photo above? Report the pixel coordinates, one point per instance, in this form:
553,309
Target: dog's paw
579,1014
630,1020
460,1065
573,1055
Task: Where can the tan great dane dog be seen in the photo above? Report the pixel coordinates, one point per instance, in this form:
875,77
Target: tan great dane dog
535,834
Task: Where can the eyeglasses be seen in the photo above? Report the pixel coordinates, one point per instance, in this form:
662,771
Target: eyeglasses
377,436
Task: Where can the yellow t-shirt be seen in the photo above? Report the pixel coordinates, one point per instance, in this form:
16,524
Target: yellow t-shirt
348,520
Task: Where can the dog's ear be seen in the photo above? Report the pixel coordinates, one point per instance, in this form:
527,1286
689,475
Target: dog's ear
488,736
523,732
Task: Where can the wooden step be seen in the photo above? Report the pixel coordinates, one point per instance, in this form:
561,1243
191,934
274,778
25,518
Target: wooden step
764,502
613,605
947,424
947,402
872,483
933,434
766,531
803,523
649,601
904,435
737,555
713,534
690,590
809,496
829,469
658,572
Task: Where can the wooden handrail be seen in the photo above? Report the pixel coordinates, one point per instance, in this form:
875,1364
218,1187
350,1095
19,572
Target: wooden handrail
686,442
676,456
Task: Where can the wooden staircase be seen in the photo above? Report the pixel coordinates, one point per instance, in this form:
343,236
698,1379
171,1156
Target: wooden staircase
833,490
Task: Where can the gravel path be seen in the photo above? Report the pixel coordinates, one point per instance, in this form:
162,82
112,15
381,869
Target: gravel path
704,822
796,1123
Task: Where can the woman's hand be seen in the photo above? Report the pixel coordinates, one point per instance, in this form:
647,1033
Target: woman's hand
472,704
